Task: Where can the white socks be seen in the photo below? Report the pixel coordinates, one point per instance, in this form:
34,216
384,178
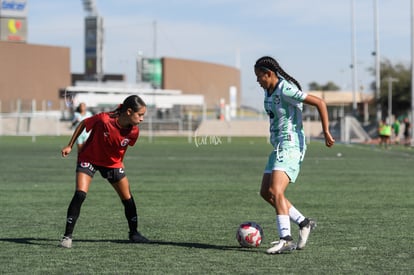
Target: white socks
283,221
283,225
295,215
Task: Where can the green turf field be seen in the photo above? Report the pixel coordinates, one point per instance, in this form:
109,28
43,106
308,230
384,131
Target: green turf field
192,198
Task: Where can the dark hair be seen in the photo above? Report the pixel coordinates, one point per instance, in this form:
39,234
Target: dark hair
133,102
267,63
78,108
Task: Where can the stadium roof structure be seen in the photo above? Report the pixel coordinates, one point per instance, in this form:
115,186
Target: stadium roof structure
338,98
101,95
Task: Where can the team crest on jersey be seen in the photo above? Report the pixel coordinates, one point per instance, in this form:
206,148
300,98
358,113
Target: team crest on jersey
277,99
124,142
85,164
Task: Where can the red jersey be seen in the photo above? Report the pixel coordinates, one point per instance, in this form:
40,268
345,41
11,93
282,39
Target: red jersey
107,142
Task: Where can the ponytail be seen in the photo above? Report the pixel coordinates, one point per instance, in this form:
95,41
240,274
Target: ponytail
133,102
267,63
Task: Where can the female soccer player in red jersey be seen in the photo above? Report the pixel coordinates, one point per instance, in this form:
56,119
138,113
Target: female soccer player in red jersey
110,135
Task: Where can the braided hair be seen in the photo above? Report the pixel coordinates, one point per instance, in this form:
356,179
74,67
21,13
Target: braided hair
133,102
267,63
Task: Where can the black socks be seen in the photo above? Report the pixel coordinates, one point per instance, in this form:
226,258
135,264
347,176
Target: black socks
75,207
304,223
131,214
73,212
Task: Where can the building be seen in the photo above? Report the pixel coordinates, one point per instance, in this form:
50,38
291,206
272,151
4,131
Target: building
31,76
214,81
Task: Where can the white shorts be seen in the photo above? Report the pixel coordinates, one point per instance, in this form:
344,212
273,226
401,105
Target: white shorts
286,159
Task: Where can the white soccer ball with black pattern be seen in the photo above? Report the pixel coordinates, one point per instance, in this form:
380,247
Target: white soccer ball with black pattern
249,234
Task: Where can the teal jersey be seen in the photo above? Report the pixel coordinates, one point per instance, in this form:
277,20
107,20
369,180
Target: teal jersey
284,108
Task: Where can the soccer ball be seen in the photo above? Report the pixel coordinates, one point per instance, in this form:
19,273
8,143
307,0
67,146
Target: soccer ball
249,234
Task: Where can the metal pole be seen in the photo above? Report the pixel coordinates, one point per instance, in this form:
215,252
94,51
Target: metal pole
155,39
354,65
1,120
190,127
100,49
389,99
412,72
377,63
138,78
150,133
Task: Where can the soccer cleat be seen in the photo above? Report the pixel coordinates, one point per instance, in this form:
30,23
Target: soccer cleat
66,242
281,246
304,233
136,237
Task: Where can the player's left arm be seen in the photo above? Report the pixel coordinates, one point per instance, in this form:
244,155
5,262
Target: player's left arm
323,113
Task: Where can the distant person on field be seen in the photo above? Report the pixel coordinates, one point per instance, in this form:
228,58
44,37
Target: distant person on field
407,132
384,132
80,114
110,135
283,102
396,130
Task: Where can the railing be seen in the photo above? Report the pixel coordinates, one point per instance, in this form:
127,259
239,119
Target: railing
31,124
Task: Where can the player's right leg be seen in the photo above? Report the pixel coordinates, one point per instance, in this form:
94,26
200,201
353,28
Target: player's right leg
279,183
83,181
264,189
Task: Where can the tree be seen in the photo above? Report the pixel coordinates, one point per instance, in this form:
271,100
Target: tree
401,90
329,86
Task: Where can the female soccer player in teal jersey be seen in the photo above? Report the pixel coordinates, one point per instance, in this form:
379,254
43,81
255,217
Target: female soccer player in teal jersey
80,114
104,150
284,103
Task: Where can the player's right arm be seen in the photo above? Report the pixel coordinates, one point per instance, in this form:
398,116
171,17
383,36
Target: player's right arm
68,148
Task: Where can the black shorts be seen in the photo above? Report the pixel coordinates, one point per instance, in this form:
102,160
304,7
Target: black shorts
113,175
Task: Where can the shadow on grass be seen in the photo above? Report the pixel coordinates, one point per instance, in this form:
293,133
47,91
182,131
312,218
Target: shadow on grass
25,240
196,245
41,241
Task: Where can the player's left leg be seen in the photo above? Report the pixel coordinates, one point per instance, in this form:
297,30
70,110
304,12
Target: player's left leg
279,183
124,193
305,228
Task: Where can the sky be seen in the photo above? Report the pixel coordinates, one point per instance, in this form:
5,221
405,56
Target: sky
312,40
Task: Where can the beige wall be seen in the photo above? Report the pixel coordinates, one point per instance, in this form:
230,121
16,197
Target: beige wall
30,72
194,77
